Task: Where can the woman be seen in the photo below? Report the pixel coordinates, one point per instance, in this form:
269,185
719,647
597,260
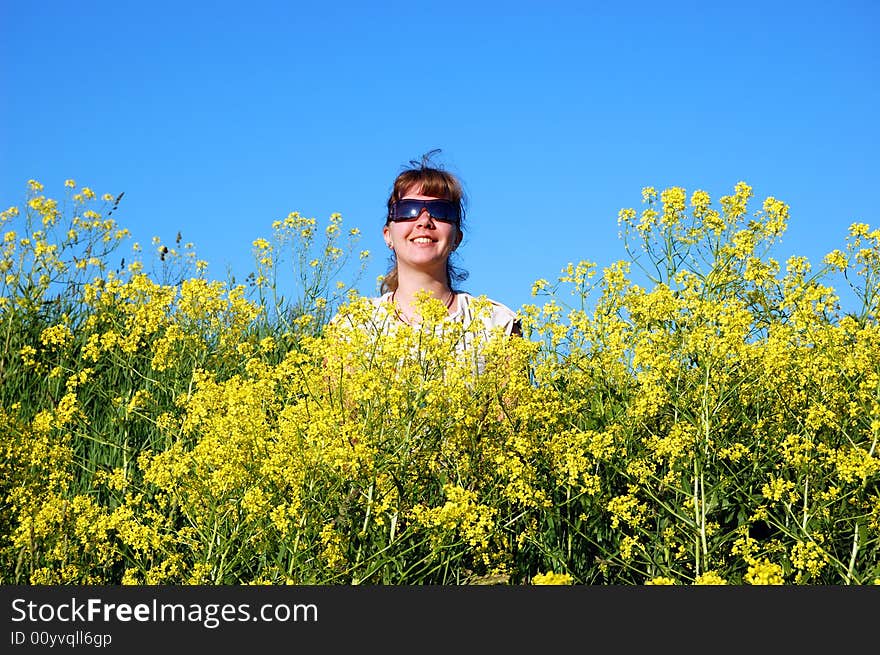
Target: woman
423,227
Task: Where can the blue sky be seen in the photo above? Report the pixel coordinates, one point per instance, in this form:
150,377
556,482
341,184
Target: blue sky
218,118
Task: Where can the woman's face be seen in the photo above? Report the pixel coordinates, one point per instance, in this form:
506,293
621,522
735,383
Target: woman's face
423,244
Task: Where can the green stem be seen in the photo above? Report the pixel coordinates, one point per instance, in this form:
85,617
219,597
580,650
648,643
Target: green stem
852,557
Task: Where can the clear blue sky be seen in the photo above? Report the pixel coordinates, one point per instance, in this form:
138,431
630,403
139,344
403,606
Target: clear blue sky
216,118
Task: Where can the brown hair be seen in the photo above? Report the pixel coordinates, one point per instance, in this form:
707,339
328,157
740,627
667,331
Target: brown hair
431,180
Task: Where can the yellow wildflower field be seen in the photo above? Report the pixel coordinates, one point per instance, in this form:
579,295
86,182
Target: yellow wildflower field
715,425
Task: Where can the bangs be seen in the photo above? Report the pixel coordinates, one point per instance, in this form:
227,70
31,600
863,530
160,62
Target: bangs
431,182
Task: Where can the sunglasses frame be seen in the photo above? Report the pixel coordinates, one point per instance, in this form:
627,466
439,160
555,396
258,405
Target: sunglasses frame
425,204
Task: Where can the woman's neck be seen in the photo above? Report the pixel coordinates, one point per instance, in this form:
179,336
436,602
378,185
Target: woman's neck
405,294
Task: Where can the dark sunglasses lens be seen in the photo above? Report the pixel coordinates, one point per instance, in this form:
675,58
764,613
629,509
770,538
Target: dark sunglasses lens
440,210
406,210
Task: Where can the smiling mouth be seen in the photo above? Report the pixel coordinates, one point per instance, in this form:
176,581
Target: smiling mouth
422,240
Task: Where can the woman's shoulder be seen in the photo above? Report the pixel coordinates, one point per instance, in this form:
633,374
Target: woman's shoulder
496,306
497,313
376,302
377,306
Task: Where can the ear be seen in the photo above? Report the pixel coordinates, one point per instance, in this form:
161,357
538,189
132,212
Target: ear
386,233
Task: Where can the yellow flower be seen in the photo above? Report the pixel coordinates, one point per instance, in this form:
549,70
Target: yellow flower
551,578
710,578
762,572
56,336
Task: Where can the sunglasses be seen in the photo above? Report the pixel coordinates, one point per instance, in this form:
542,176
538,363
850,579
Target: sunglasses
440,210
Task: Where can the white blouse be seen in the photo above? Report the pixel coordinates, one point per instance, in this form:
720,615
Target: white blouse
492,316
464,312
